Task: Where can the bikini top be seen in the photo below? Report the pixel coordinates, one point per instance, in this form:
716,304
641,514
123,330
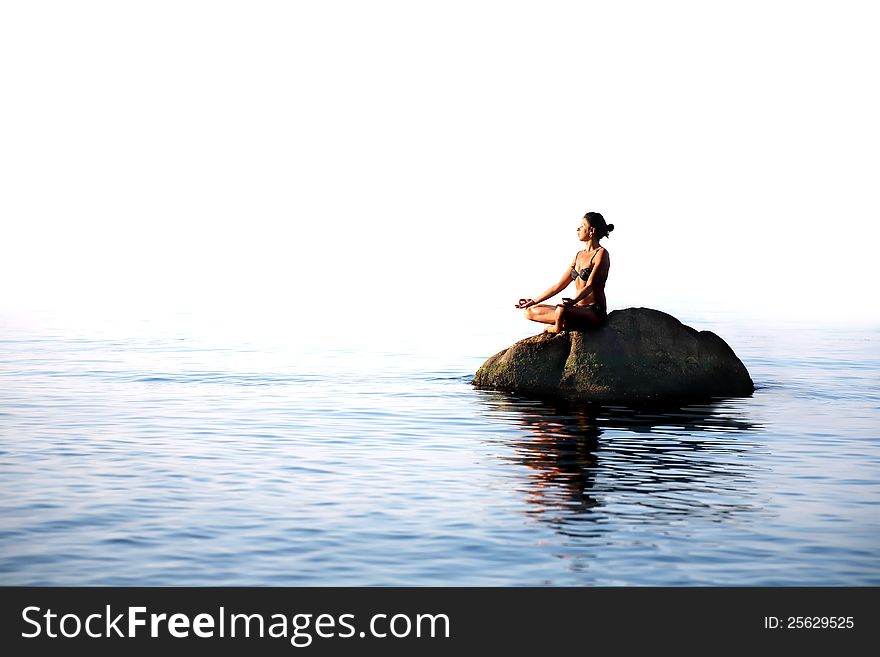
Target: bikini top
585,272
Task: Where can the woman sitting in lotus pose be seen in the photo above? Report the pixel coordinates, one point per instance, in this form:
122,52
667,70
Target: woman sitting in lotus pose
589,271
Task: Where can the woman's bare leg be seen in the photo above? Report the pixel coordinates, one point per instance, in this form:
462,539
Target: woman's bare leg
558,320
544,313
558,316
575,317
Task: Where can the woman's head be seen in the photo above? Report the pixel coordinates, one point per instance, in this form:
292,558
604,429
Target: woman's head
594,224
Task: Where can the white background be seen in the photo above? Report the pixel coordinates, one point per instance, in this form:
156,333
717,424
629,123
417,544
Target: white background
426,164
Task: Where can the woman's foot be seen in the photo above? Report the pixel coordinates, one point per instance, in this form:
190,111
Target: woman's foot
558,325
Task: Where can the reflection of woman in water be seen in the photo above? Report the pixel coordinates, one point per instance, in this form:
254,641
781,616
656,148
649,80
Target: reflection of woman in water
589,271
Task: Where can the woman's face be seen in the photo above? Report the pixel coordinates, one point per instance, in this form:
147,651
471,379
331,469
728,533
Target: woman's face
584,230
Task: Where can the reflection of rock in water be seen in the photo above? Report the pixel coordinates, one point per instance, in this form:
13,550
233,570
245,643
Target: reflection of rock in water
649,467
694,418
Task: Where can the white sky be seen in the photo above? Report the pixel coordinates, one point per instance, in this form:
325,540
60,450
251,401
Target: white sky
346,161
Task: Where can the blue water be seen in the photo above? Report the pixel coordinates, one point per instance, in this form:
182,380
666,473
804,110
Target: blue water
161,458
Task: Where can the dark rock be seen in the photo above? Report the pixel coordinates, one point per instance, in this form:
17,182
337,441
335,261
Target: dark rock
639,355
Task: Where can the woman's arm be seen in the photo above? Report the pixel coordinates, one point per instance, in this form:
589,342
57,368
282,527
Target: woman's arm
563,283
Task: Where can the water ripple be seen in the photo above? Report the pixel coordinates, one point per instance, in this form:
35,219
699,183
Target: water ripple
161,461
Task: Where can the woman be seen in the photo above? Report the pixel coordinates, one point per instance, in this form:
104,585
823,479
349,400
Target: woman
589,271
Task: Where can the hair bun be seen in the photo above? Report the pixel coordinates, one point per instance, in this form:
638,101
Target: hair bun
610,227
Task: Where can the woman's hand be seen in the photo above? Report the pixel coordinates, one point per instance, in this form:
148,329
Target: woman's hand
567,303
525,303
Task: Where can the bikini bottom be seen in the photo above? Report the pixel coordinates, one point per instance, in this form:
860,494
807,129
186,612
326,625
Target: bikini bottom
600,311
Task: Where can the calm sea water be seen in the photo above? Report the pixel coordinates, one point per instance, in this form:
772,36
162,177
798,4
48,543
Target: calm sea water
158,457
